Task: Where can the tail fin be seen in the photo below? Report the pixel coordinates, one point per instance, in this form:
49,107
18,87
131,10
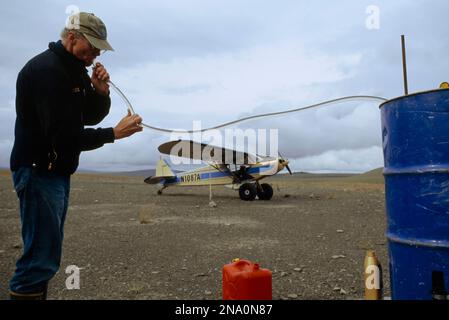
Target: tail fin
163,171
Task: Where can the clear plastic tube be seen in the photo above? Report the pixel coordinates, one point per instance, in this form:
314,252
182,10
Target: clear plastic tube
259,116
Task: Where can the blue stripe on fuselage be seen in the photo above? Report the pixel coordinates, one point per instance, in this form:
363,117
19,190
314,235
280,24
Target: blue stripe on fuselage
216,174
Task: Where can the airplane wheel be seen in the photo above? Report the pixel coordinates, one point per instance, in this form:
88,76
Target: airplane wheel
266,193
247,192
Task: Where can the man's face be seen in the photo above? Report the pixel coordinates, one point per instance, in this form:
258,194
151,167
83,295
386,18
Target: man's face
83,50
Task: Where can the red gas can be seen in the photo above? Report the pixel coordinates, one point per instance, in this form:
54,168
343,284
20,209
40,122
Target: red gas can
244,280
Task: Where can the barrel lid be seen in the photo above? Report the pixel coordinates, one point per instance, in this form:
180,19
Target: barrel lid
412,94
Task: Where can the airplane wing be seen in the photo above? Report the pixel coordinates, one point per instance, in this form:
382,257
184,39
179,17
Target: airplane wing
207,153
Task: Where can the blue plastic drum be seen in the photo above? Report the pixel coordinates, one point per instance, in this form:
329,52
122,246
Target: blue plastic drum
415,135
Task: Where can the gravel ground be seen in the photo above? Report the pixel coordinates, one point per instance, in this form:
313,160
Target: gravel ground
132,244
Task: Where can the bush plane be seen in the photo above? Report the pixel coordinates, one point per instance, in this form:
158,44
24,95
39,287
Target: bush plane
248,169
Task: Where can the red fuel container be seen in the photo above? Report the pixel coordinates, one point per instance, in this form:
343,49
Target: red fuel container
244,280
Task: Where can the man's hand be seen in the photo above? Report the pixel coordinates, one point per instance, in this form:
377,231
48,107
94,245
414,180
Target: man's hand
100,78
129,125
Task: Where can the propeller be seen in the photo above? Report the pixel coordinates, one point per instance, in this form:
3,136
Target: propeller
284,162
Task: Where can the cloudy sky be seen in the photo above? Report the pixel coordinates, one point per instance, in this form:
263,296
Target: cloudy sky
216,61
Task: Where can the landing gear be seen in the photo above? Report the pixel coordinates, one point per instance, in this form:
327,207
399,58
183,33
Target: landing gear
265,191
247,192
241,174
159,192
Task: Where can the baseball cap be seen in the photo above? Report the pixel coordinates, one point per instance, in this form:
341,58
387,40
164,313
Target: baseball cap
91,27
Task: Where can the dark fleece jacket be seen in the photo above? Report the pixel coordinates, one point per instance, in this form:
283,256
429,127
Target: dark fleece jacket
55,99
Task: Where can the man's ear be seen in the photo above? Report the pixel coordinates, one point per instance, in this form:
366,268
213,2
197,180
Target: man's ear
70,36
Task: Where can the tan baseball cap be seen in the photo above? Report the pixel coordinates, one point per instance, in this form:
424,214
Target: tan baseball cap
91,27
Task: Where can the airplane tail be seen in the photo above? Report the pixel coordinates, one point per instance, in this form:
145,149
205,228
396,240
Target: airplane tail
163,171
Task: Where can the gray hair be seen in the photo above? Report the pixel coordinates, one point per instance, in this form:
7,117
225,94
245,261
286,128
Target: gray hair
66,31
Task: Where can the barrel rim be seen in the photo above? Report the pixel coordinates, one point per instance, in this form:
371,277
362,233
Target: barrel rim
411,95
416,169
417,242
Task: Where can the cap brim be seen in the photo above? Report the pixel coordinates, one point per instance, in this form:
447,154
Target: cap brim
98,43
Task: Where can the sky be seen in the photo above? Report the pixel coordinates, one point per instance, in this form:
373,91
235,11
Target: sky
216,61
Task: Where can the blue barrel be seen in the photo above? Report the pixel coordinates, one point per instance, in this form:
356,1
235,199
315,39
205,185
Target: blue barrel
415,135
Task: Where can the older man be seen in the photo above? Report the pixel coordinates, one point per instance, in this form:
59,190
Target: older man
55,99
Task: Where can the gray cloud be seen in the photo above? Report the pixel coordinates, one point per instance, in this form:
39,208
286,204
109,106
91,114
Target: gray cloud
213,61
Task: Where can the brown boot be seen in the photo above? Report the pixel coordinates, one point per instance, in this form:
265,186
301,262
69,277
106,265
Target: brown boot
28,296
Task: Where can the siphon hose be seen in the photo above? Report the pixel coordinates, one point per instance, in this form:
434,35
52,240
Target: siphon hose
264,115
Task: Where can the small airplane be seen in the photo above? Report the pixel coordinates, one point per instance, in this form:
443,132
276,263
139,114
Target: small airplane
246,178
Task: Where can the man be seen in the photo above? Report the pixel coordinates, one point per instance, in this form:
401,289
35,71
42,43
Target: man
55,98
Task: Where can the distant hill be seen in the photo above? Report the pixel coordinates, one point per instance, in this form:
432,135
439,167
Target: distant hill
372,176
137,173
306,175
374,173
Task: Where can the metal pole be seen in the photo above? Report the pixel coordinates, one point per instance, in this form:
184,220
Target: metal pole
404,65
210,189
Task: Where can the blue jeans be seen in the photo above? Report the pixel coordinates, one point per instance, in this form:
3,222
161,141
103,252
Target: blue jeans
43,198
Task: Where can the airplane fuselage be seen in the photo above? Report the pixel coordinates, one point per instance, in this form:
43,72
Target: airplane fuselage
221,175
